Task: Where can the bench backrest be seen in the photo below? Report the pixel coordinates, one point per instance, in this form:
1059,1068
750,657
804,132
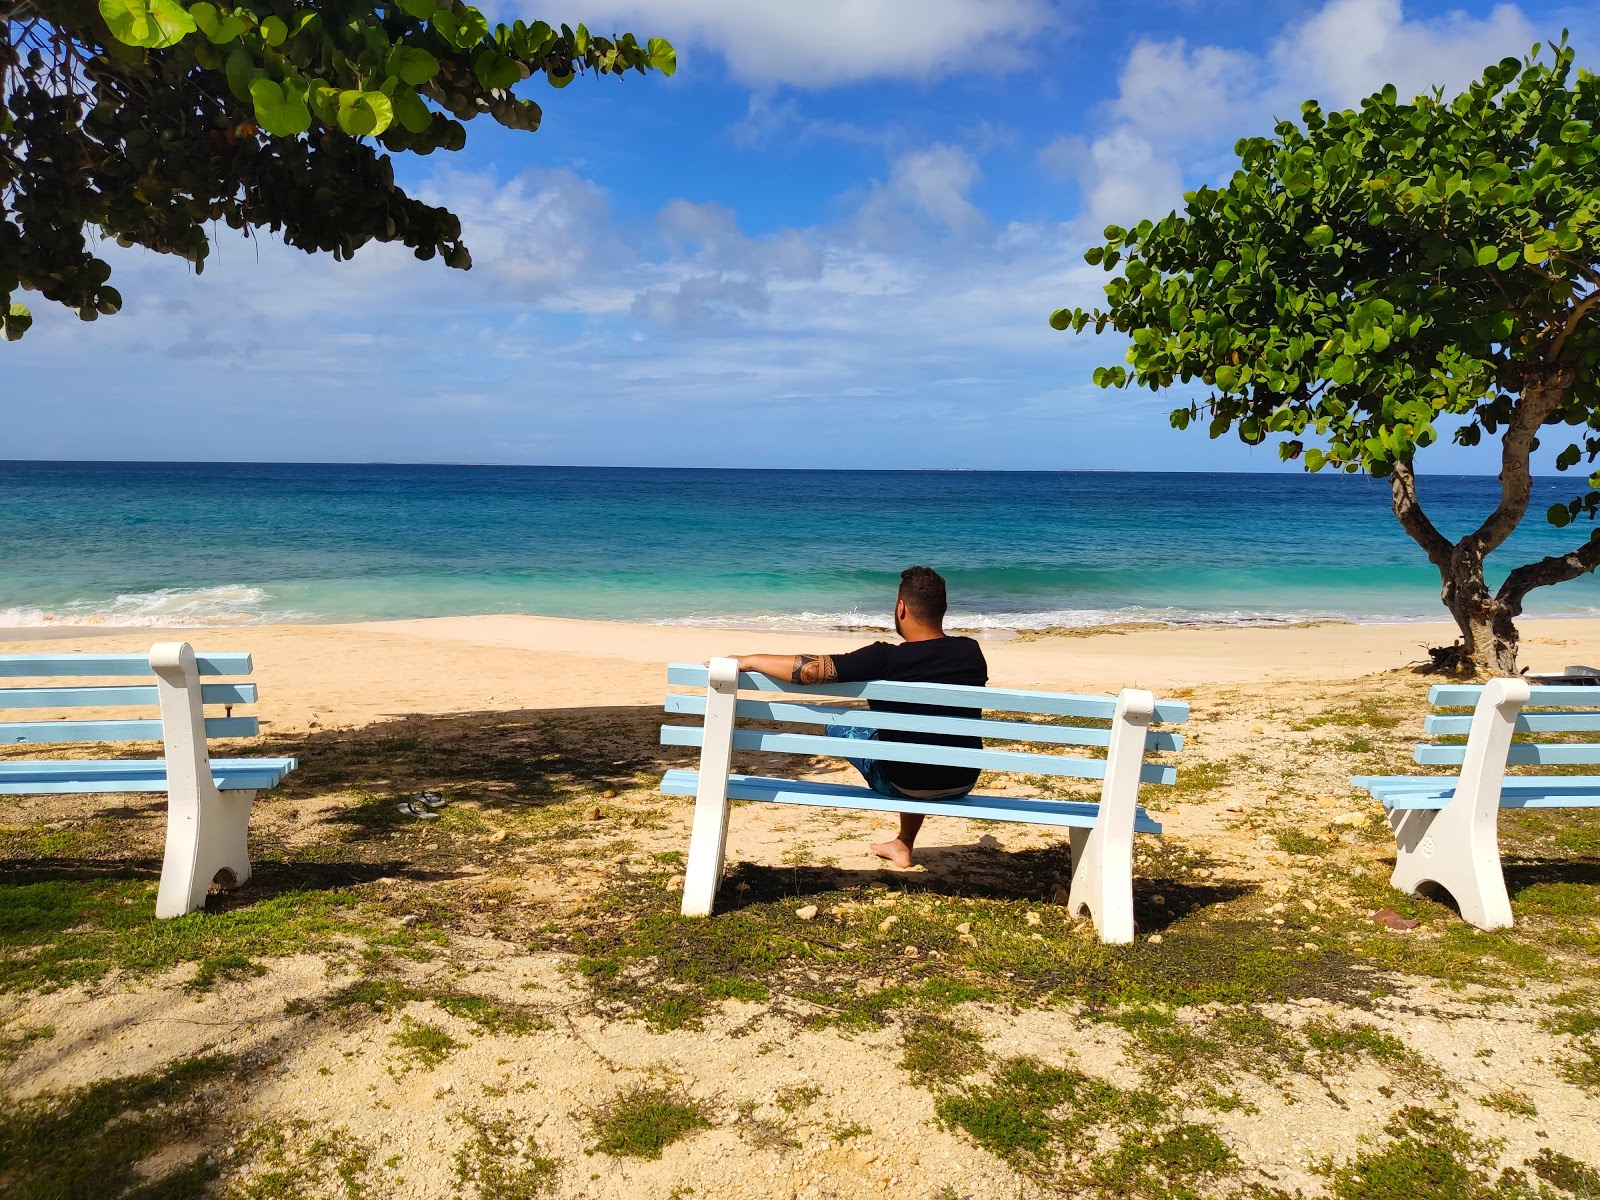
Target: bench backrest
1003,700
47,694
1503,706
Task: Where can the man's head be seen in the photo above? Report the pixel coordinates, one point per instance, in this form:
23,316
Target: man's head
921,604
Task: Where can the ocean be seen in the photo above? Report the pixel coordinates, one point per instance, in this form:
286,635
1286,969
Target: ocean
196,544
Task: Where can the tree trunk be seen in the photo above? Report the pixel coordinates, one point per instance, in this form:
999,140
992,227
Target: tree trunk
1487,622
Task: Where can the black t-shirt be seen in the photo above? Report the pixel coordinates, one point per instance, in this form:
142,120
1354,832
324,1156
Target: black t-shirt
939,660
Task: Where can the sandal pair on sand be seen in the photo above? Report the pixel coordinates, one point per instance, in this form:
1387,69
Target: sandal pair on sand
423,806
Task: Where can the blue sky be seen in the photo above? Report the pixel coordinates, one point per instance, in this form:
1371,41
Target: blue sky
832,239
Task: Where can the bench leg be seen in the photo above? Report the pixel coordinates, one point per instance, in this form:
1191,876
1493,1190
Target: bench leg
1458,849
708,839
205,834
1102,857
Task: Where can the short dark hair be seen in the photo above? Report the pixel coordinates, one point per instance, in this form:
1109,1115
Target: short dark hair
922,588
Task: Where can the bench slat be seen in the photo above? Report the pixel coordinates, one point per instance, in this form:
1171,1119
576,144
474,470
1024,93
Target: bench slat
122,695
1446,695
912,752
1067,813
39,733
1521,754
92,776
694,703
18,666
1540,722
1058,704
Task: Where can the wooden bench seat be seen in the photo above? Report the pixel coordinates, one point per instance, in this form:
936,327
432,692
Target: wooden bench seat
208,799
1101,832
1447,826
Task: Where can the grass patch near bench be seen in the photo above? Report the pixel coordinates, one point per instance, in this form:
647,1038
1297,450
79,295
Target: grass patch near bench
643,1121
58,932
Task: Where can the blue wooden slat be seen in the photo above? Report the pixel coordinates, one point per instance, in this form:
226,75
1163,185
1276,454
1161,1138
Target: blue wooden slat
1527,722
19,666
693,703
996,699
1063,813
911,752
1521,754
1408,800
120,695
39,733
85,776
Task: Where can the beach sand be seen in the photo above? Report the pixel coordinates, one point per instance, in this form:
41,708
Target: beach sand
325,676
822,1074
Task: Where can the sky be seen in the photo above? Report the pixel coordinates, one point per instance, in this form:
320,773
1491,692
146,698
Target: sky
832,239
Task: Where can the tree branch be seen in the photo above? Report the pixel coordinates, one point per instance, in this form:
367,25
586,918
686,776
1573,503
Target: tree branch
1403,487
1557,568
1534,407
1578,311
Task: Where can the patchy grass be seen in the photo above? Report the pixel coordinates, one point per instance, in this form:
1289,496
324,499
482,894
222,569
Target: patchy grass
1514,1103
422,1044
938,1050
1568,1174
499,1162
58,932
386,994
644,1121
88,1143
287,1160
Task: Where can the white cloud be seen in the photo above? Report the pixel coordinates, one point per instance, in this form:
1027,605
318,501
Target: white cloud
1351,48
827,42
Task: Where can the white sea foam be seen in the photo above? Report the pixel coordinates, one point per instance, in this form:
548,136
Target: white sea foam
165,608
1072,618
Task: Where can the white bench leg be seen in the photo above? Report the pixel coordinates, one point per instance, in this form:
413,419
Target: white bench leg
206,829
1102,857
1458,847
204,835
708,839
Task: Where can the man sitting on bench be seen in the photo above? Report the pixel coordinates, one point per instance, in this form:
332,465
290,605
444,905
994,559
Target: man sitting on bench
926,654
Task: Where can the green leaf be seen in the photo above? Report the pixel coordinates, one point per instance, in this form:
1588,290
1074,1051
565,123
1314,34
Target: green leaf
1061,319
363,113
559,81
1575,131
242,71
410,111
662,56
1486,255
580,40
1559,516
412,65
496,71
149,24
17,321
1319,237
279,112
274,32
1535,252
420,9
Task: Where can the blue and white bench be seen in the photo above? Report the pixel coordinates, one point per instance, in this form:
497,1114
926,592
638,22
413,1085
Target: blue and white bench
208,800
1101,833
1447,826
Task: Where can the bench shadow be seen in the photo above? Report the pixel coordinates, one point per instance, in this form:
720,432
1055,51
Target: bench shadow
980,870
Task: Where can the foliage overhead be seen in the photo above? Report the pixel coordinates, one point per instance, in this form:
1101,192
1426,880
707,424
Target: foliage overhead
1366,276
1368,280
148,120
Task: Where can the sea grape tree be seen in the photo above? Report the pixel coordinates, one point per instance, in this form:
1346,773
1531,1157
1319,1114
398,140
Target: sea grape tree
148,121
1370,282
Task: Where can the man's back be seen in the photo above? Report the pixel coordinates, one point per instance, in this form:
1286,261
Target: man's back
955,660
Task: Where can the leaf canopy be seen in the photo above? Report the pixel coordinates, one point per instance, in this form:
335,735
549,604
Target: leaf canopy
1367,277
146,121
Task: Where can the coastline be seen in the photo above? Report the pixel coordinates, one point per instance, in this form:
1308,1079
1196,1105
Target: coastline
323,676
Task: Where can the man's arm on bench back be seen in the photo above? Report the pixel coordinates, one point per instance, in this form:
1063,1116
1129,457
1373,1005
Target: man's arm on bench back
796,668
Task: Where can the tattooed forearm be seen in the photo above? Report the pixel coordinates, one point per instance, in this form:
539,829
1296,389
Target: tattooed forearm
813,668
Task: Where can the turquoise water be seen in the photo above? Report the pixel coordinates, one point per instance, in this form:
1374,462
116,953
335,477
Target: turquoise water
200,544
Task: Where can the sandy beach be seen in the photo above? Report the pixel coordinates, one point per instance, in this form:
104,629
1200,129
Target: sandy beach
348,675
502,1002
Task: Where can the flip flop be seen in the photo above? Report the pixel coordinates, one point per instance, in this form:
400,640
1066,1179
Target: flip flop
412,809
431,800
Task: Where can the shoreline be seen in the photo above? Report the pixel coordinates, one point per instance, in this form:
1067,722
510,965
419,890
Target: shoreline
354,674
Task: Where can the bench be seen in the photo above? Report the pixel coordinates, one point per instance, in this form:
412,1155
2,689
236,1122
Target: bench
1101,832
208,800
1447,826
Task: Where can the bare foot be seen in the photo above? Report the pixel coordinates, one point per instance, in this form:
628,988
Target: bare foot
896,852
